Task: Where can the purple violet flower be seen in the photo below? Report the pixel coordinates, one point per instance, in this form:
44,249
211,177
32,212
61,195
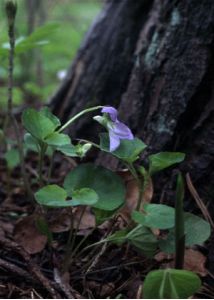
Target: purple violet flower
117,130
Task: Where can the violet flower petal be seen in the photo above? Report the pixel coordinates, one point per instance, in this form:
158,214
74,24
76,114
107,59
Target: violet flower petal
122,131
117,130
114,141
111,111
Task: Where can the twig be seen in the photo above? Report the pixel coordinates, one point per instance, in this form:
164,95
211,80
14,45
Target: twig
13,268
32,267
198,200
103,249
67,289
97,258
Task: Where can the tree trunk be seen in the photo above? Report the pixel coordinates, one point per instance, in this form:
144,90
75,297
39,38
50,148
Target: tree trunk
155,61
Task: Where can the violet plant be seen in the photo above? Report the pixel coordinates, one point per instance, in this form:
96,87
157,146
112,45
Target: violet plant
103,191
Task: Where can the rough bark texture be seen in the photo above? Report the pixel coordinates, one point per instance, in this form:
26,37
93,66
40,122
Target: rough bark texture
155,61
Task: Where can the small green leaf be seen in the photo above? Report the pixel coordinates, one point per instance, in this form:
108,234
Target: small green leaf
196,230
31,143
69,150
108,185
163,160
140,237
53,196
156,216
119,237
84,196
170,284
57,139
167,244
47,113
103,215
39,37
128,150
143,239
12,157
38,125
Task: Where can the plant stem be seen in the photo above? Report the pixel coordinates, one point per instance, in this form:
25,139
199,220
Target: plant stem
77,227
139,183
74,118
71,241
50,167
41,161
179,224
80,244
11,9
86,141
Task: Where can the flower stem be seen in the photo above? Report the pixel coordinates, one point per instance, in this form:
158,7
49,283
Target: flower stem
50,169
71,241
41,161
74,118
141,186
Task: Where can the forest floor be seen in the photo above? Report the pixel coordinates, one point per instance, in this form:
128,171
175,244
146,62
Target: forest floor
30,265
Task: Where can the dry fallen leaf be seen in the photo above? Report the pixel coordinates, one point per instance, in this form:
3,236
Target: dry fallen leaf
60,222
87,220
6,227
193,261
132,193
28,236
134,287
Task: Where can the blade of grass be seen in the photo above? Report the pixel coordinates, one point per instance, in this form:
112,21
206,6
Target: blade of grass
179,224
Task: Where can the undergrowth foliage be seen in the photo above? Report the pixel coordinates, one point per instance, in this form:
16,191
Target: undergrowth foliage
103,191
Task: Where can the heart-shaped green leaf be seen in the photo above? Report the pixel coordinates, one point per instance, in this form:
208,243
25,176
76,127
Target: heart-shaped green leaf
38,125
163,160
108,185
12,157
128,150
196,230
143,239
57,139
156,216
47,113
140,237
170,284
52,195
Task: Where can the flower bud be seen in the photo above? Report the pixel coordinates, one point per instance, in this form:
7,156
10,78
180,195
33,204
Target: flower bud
100,120
11,9
81,150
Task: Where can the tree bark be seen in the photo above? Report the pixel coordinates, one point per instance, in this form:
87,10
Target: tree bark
155,61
